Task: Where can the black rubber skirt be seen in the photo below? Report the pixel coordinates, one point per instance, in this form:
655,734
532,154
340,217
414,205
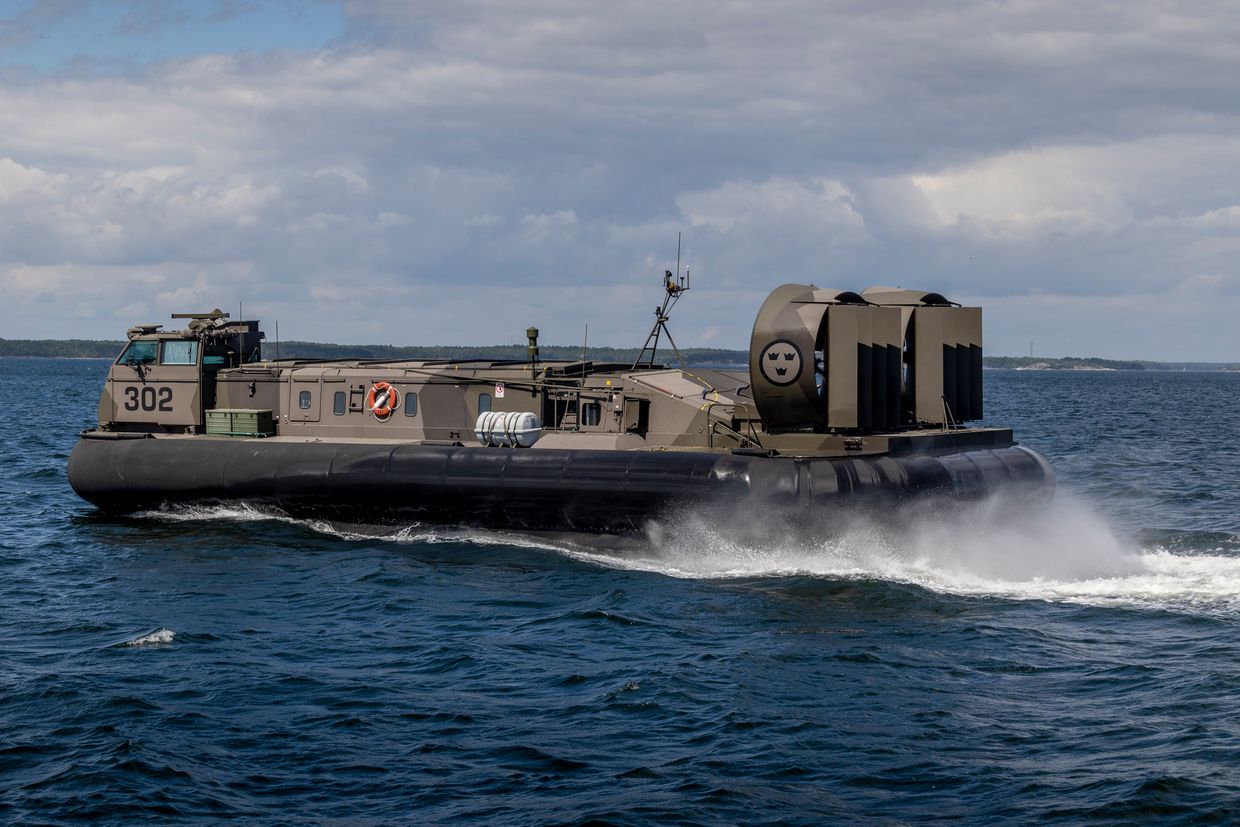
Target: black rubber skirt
521,489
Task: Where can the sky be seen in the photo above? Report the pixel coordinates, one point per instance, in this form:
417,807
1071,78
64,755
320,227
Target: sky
400,172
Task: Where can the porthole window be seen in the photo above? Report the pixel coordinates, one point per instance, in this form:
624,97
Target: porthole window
484,403
338,403
303,400
411,403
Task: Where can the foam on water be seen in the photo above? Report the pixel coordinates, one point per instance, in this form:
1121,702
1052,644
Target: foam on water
159,637
410,534
1061,551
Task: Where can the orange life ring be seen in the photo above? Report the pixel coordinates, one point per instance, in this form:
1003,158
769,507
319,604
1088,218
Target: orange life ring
382,400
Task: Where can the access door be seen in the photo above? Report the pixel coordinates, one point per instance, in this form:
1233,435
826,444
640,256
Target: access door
305,398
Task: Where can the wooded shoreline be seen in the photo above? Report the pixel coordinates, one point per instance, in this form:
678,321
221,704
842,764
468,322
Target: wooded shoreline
107,349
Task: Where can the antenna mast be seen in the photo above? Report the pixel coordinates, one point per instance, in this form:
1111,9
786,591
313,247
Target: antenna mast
673,287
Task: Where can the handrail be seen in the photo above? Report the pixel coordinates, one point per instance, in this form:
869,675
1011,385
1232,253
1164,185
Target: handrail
718,424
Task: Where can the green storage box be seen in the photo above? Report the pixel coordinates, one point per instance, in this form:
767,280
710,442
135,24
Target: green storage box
239,422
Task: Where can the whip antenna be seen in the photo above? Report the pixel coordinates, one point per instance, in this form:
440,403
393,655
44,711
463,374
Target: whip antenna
673,287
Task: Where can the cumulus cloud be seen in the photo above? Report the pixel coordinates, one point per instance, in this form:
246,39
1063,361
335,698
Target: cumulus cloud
545,156
557,227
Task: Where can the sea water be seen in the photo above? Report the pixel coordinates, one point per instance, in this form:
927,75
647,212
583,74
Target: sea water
1074,663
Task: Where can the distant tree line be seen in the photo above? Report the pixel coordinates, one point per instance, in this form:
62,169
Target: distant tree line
63,348
698,356
1066,363
320,350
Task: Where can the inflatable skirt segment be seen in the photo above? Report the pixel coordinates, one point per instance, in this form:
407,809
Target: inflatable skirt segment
520,489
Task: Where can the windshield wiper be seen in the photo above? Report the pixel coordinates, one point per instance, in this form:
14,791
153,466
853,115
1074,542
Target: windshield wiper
139,368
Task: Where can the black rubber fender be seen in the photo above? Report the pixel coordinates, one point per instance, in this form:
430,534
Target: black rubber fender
531,489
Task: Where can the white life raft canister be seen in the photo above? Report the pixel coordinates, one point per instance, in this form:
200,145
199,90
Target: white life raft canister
508,429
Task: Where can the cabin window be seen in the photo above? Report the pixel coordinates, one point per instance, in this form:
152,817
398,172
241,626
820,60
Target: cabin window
303,400
484,402
140,353
338,403
411,403
180,353
591,414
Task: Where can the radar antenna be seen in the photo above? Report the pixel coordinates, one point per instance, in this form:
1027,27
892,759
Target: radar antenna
673,287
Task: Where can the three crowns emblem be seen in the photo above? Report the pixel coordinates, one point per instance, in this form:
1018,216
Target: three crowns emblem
781,362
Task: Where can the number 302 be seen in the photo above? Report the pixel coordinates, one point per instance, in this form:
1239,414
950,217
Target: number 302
148,399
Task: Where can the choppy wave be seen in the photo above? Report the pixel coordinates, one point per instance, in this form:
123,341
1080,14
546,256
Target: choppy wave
982,665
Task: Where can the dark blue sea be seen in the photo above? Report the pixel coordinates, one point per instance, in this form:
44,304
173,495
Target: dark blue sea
1077,663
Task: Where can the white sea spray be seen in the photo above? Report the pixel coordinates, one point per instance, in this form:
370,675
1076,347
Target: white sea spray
159,637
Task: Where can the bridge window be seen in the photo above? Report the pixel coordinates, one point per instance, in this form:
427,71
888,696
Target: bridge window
338,403
303,400
411,403
140,353
180,353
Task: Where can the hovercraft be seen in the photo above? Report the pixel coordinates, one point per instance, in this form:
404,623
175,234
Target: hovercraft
850,401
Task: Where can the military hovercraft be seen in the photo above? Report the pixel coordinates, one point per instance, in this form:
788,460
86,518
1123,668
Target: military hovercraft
850,400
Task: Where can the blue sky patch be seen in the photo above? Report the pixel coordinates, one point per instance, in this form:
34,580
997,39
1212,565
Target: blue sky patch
52,36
